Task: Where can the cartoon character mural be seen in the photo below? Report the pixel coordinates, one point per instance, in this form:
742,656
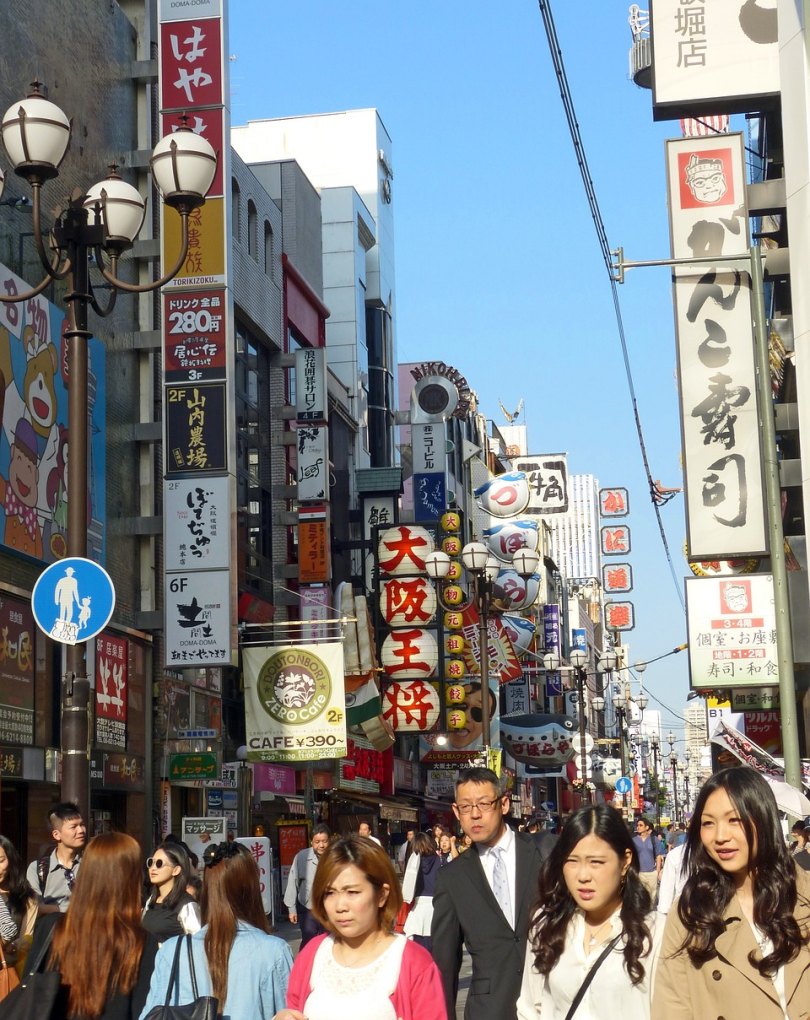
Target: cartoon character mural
34,434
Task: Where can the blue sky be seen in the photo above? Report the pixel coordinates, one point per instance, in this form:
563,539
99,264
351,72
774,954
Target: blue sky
497,264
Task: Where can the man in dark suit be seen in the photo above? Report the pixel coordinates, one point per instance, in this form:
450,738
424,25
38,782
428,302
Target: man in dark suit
483,900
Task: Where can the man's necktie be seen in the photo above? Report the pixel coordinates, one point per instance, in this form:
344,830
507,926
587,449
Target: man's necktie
500,883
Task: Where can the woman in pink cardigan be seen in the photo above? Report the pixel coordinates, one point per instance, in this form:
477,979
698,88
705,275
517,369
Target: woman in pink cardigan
360,968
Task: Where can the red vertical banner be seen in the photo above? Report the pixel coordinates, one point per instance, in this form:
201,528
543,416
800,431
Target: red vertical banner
111,691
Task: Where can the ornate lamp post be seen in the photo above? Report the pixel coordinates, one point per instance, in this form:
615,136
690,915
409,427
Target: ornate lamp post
655,747
484,568
673,761
101,225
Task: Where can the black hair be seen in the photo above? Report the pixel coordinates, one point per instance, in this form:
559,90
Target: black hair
321,830
194,860
179,859
555,906
19,893
709,889
63,812
480,776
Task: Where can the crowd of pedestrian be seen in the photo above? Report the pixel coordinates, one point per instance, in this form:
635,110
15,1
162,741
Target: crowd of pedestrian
587,924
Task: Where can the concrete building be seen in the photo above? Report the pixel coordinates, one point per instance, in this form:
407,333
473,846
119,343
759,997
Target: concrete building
348,157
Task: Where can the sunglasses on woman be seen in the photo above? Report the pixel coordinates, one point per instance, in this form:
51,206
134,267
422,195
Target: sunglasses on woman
158,862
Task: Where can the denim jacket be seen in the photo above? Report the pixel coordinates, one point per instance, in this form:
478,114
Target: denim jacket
258,970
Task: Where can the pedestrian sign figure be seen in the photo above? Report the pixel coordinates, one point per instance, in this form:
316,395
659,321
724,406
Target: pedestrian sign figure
65,594
73,600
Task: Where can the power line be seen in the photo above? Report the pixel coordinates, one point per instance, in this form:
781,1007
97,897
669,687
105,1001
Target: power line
604,246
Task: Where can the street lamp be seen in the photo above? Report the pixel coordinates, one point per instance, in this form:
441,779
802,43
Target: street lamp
484,568
621,705
655,747
100,224
687,800
578,657
673,760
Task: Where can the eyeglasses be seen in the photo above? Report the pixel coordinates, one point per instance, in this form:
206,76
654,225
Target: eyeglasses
482,806
158,862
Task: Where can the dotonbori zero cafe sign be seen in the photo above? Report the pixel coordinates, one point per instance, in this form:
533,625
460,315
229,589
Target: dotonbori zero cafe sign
716,359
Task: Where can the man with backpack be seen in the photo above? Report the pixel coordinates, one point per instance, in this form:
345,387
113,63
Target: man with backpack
52,875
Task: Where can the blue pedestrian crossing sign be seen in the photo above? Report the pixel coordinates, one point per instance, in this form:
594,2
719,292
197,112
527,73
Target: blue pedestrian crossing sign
73,600
623,784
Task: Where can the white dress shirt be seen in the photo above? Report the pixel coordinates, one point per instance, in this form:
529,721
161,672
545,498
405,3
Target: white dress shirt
673,879
611,994
488,855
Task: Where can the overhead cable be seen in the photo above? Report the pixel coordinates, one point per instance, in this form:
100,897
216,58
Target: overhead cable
601,234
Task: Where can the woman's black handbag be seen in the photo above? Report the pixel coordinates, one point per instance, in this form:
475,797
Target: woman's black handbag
35,996
203,1007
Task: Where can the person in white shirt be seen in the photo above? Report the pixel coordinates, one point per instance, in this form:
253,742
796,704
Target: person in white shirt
364,829
591,938
673,878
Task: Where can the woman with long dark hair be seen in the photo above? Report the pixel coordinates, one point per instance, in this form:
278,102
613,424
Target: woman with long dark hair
18,906
103,955
591,932
170,909
739,941
235,957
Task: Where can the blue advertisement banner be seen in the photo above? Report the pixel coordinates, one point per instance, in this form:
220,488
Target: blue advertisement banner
34,439
429,496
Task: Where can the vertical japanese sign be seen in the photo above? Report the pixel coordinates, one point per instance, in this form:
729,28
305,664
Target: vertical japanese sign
200,488
716,359
311,402
16,672
707,54
732,631
551,643
111,691
429,447
410,651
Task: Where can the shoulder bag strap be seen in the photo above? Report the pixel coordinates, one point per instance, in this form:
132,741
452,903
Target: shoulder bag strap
194,995
583,988
33,965
173,975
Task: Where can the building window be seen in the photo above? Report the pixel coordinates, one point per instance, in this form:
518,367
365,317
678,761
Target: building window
253,477
268,250
252,239
236,211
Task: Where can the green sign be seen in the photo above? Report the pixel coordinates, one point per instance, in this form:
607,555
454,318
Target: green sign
201,765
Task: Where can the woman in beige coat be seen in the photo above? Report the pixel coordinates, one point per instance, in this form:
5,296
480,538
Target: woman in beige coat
738,944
